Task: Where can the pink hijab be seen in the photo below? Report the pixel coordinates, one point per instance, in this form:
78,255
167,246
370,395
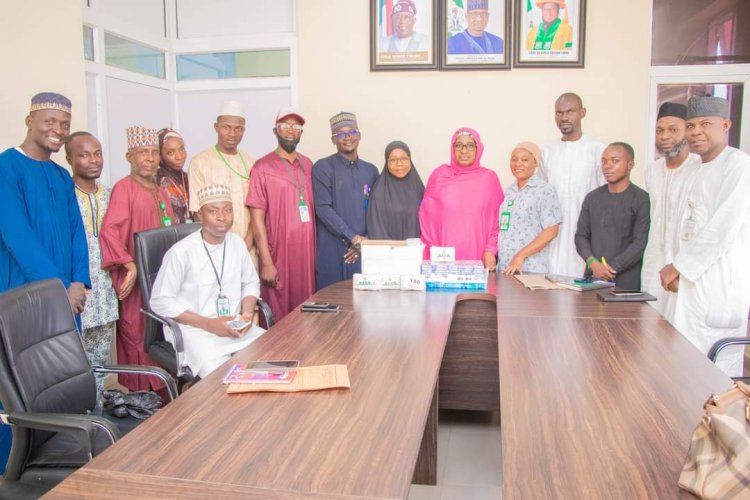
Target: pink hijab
460,206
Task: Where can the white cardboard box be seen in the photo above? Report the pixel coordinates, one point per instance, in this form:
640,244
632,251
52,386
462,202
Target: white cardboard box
391,257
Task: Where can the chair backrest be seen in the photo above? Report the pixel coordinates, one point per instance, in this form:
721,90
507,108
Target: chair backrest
43,366
150,247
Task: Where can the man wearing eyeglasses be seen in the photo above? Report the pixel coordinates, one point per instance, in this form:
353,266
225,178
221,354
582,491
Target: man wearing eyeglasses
474,39
283,218
342,184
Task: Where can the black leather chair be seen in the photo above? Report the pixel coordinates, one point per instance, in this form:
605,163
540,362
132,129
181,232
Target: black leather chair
48,390
150,247
713,353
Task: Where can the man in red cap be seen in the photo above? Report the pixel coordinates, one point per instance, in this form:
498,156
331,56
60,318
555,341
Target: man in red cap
282,215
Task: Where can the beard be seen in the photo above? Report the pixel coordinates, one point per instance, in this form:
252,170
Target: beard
288,145
674,151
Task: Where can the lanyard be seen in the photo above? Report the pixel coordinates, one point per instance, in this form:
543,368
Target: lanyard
290,171
213,266
247,170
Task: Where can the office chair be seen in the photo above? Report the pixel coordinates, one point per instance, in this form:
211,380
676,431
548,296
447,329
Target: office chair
713,353
48,390
150,247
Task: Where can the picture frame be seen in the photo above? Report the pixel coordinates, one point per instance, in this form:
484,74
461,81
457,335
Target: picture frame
561,45
476,34
404,35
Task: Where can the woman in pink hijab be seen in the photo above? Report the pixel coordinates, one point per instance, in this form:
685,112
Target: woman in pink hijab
461,202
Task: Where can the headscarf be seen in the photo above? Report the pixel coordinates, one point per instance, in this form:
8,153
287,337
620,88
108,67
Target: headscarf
460,206
461,169
174,181
394,203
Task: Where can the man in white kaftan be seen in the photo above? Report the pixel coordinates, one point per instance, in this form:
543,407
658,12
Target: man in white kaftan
573,167
711,269
666,180
206,280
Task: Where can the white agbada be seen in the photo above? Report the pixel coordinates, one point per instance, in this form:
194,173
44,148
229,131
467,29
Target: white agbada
573,168
665,188
714,263
187,282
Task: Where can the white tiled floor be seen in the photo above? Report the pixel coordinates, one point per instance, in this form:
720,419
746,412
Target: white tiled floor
469,461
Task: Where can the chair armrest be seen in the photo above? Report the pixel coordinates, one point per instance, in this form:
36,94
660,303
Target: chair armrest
142,370
726,342
82,427
172,324
266,311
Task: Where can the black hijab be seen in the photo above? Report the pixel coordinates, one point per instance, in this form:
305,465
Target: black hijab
394,203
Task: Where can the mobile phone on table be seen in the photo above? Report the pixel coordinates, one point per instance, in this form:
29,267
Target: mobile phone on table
319,307
271,365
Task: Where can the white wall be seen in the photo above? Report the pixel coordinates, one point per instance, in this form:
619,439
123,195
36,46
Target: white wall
506,107
41,49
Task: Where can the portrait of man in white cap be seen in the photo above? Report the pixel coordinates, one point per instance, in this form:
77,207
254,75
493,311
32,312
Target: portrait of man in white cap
227,165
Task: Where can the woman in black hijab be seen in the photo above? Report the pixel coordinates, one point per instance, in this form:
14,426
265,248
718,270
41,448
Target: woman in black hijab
395,197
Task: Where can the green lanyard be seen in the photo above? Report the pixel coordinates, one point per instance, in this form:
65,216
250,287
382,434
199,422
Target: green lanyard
247,170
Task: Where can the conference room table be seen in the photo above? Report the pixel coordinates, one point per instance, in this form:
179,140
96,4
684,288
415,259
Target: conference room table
596,400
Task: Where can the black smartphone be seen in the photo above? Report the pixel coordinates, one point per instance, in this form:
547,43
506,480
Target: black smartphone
319,307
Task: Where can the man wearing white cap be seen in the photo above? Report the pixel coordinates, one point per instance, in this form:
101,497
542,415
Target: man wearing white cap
227,165
283,216
137,203
209,285
711,271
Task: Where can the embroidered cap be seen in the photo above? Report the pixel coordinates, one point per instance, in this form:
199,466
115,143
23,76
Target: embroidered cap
139,137
404,6
343,119
477,5
214,194
286,112
50,100
232,108
707,106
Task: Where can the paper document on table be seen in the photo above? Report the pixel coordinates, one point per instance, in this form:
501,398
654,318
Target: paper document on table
536,282
308,378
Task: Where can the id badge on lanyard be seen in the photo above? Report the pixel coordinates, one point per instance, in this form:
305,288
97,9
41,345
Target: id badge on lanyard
505,217
304,210
222,305
688,225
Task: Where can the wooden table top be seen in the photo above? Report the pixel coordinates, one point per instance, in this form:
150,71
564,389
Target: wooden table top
360,442
602,399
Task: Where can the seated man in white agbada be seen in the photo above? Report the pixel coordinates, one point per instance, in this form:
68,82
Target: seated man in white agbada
206,280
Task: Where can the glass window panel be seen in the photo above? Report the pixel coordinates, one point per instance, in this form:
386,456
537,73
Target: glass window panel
133,56
733,92
250,64
141,18
88,43
688,32
199,18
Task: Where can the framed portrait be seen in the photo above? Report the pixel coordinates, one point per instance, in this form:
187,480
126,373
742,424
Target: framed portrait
549,33
476,34
403,34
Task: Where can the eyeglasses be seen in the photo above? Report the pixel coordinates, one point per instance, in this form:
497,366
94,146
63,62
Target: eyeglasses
400,159
340,136
467,146
286,126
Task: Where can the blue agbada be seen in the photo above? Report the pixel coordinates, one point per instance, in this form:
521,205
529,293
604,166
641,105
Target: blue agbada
341,188
41,232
